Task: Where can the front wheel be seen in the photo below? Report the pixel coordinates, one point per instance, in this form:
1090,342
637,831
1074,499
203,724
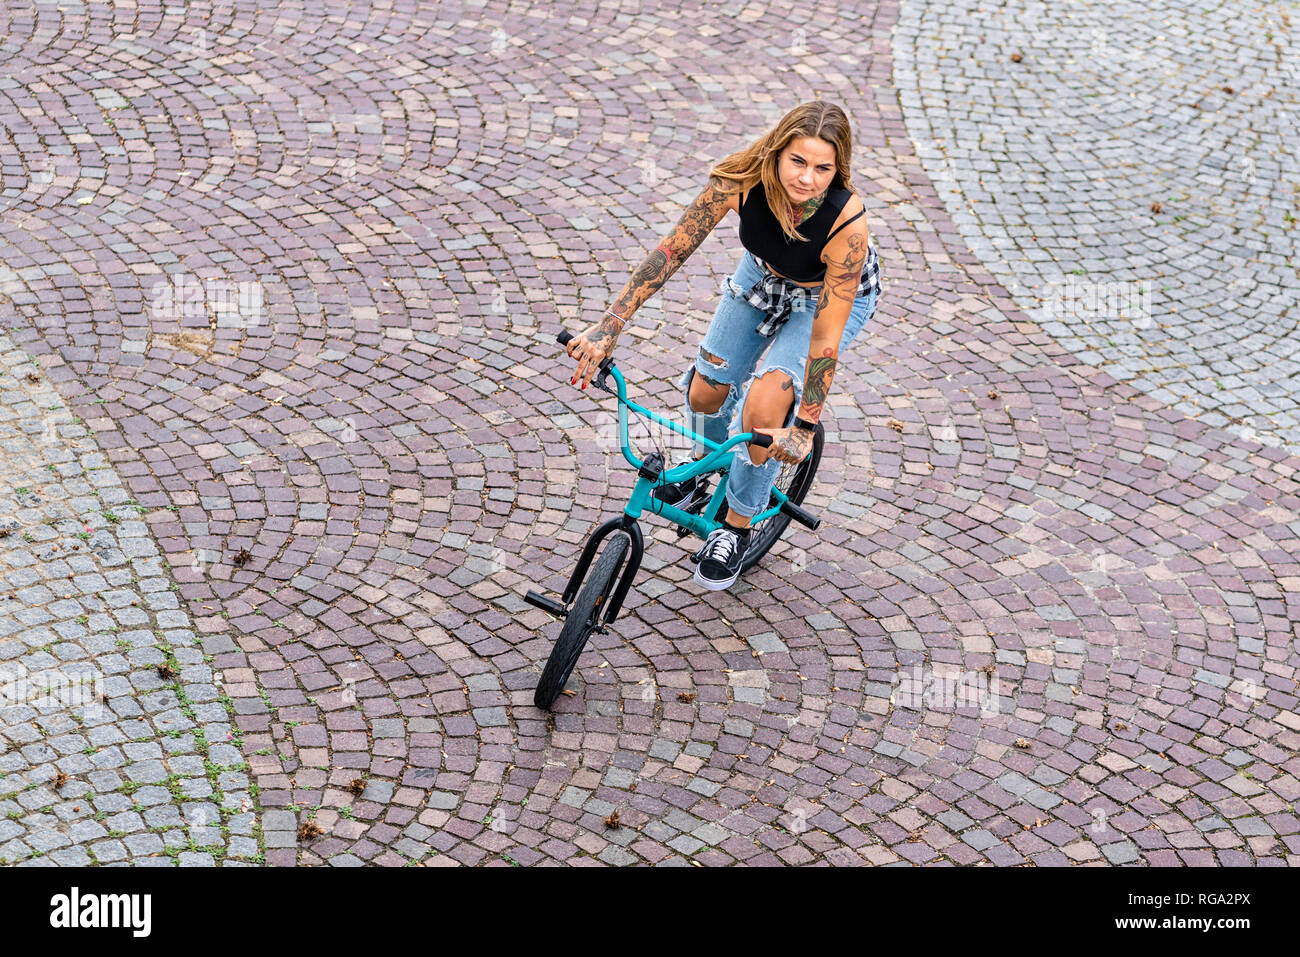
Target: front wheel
580,622
794,481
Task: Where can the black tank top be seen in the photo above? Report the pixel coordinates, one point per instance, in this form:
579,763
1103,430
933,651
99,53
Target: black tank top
761,234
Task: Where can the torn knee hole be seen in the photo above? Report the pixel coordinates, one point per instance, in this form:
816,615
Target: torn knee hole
714,360
707,395
784,376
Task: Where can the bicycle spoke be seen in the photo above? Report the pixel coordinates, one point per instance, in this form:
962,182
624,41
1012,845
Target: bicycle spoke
793,481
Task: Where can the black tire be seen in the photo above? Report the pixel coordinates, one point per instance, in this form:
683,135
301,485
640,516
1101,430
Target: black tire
794,481
580,622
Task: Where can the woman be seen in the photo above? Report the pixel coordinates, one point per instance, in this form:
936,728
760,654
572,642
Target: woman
806,239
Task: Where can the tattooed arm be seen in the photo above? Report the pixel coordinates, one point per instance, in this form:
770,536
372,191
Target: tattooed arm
844,257
706,211
696,223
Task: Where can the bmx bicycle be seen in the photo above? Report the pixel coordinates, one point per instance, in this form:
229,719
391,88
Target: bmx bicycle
599,596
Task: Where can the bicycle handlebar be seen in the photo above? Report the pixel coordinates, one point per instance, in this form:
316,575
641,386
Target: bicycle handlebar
760,439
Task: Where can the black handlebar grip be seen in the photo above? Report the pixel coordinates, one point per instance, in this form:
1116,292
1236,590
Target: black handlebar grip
762,440
799,515
564,337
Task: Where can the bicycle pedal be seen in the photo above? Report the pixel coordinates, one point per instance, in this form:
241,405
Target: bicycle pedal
546,604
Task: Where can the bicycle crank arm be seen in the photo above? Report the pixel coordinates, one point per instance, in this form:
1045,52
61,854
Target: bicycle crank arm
546,604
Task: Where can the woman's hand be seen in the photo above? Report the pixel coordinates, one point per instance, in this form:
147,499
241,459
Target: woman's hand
788,445
593,347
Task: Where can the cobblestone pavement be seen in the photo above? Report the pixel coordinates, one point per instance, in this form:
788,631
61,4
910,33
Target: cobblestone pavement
1132,180
137,761
299,273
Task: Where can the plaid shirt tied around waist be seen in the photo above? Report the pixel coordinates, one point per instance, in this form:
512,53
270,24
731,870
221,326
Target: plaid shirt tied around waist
778,296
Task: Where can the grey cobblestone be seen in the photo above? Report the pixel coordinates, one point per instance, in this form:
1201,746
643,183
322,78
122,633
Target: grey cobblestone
391,451
1208,268
167,815
143,845
71,594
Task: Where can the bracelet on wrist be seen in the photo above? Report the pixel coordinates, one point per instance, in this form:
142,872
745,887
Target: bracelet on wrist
804,424
610,312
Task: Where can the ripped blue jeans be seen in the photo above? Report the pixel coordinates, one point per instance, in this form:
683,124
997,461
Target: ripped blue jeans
732,338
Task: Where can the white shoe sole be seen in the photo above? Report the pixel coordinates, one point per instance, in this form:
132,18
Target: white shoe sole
714,585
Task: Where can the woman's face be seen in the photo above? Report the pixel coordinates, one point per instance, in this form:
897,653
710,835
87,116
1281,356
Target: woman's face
806,168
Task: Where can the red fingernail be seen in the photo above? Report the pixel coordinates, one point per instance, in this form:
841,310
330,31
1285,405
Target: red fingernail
584,385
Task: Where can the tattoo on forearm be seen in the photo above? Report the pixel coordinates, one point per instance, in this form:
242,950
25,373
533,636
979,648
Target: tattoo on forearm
652,272
607,331
821,370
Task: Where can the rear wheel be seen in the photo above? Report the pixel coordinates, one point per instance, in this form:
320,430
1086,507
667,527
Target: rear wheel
581,621
794,481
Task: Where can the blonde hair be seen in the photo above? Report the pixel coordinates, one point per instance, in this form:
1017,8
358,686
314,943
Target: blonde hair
758,161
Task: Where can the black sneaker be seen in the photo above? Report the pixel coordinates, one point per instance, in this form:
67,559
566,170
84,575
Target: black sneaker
719,559
686,495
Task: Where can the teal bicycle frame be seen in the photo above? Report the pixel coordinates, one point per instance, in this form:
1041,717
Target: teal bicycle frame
652,475
642,500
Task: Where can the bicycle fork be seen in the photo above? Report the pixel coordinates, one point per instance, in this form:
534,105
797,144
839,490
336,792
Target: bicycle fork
614,604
